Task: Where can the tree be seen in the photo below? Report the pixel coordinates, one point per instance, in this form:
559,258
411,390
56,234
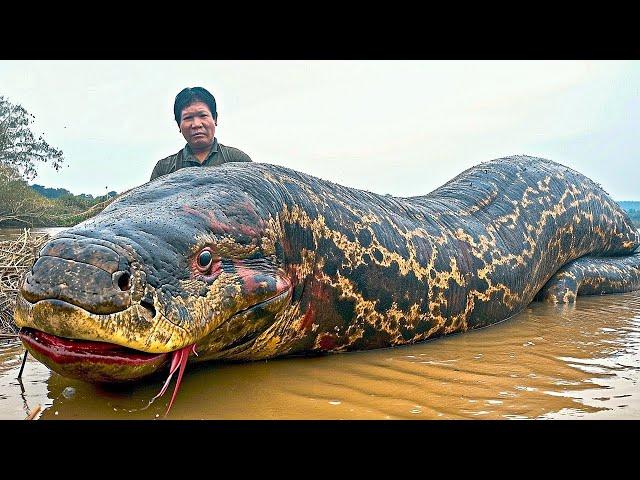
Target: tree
19,148
19,204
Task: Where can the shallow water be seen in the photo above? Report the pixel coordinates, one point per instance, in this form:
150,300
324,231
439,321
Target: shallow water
579,361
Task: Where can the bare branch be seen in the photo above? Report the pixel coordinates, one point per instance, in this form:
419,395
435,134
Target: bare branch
18,146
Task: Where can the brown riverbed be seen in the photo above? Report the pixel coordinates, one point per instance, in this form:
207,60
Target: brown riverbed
580,361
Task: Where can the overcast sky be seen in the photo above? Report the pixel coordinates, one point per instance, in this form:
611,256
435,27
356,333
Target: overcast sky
397,127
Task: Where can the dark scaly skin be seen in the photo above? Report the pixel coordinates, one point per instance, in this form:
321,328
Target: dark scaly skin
308,266
593,276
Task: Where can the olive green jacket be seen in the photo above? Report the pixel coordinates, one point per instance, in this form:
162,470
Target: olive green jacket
184,158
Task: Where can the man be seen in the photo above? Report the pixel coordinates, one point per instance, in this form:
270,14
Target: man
196,115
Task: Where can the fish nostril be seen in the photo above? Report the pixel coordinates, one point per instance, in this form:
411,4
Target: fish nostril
149,306
124,281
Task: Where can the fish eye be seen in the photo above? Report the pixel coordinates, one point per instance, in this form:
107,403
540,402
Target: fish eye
204,260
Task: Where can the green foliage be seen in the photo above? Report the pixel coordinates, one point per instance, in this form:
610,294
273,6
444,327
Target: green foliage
20,205
24,205
19,148
19,153
79,202
49,192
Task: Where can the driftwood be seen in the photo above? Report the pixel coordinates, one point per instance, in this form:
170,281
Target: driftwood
16,257
32,414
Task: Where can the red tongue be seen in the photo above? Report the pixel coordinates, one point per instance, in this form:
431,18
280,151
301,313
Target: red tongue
179,359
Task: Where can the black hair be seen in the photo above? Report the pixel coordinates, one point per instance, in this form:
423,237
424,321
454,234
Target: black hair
191,95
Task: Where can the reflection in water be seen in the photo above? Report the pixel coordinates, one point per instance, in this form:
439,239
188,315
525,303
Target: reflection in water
580,361
19,396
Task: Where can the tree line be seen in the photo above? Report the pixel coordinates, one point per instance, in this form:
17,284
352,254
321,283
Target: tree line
22,205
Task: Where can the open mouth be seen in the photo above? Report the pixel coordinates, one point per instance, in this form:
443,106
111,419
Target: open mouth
90,360
103,361
68,350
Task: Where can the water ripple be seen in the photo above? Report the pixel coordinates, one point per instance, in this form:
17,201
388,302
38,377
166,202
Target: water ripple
579,361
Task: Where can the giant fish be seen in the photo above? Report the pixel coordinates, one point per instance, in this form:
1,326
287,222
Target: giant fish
251,261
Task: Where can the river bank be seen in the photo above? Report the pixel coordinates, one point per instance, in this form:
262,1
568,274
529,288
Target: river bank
18,248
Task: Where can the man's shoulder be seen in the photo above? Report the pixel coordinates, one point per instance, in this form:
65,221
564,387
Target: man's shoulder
235,154
168,160
165,165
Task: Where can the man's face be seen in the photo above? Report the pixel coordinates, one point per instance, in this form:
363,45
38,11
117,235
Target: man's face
197,126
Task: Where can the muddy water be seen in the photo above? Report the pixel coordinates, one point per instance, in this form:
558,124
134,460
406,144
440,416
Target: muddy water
548,362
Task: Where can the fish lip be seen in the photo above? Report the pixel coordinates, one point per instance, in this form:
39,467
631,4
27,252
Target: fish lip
66,350
26,317
93,350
